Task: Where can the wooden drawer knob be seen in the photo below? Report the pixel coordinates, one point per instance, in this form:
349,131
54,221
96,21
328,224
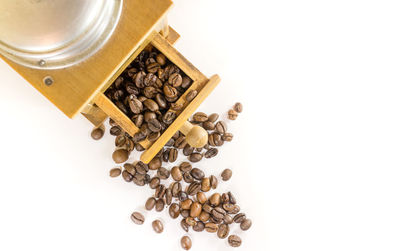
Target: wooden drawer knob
196,136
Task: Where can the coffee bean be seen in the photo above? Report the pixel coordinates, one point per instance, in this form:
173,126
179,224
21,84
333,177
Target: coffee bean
194,188
215,220
151,105
221,127
155,163
185,213
150,92
197,173
185,166
238,107
186,82
232,114
165,155
139,148
213,117
160,205
138,120
149,115
205,184
191,221
154,125
182,196
176,106
130,168
223,231
232,198
211,227
176,188
234,241
195,157
204,216
191,95
160,191
218,213
186,204
141,168
158,227
161,59
150,203
137,218
163,173
170,91
176,173
228,219
187,150
168,196
186,242
170,142
153,136
207,208
201,197
200,117
226,174
215,199
97,133
138,182
184,225
139,136
212,152
230,208
213,182
154,182
215,139
239,218
187,177
181,142
169,117
227,136
174,210
175,79
224,198
195,209
135,105
245,224
173,154
153,67
208,125
120,141
127,176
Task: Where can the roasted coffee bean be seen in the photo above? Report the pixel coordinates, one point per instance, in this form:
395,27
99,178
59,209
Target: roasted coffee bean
213,182
173,154
232,114
239,218
160,99
163,173
187,177
205,184
176,173
224,198
170,91
154,182
186,204
238,107
213,117
194,188
227,136
165,155
127,176
137,218
158,227
215,220
150,92
168,196
235,210
186,82
161,59
199,149
176,135
138,120
187,150
175,79
184,225
174,210
159,154
139,176
115,172
207,208
115,130
97,133
151,105
212,152
148,115
160,205
234,241
228,219
226,174
155,163
186,242
118,81
154,125
176,107
153,136
232,198
201,197
135,105
218,213
200,117
139,79
195,209
223,231
199,226
185,213
150,203
211,227
215,199
191,95
185,166
122,107
204,216
195,157
138,182
245,224
139,136
182,196
147,179
180,143
160,191
132,89
215,139
191,221
130,168
141,168
169,117
230,208
197,173
170,142
221,127
208,125
176,188
153,67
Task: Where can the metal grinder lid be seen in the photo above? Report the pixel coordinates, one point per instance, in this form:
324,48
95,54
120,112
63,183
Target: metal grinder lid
51,34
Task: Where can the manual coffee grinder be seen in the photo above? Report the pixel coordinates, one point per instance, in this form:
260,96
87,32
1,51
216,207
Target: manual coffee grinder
73,50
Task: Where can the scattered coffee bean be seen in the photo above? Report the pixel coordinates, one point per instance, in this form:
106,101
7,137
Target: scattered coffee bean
197,173
184,225
115,130
238,107
182,196
185,213
127,176
176,173
191,95
200,117
168,196
186,242
173,155
194,188
195,157
187,150
227,136
185,167
120,156
226,174
223,231
160,205
211,227
245,224
201,197
155,163
208,125
239,218
174,210
215,199
158,227
195,209
204,216
205,184
163,173
232,114
115,172
221,127
234,241
191,221
228,219
212,152
137,218
187,177
213,182
213,117
97,133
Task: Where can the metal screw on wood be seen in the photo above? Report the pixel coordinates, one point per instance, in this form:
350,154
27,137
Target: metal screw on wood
48,80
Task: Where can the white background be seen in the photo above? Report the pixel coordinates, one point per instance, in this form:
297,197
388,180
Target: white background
315,154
